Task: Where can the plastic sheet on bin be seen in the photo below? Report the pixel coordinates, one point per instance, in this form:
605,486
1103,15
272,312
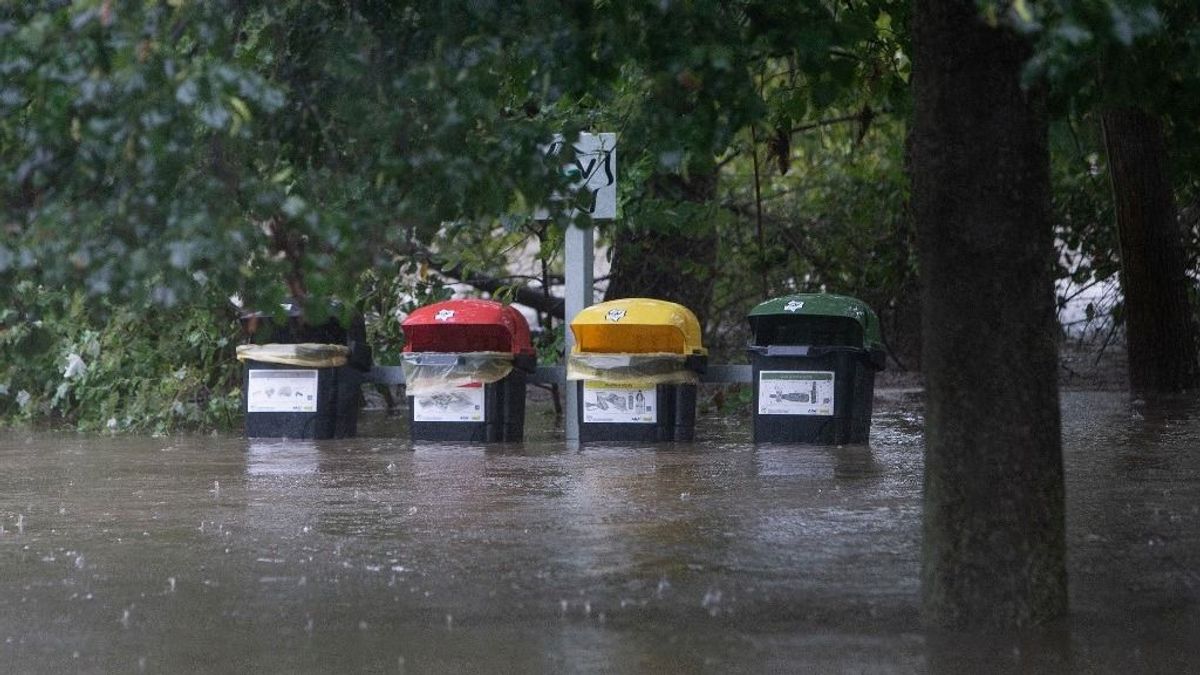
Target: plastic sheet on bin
305,354
433,372
642,370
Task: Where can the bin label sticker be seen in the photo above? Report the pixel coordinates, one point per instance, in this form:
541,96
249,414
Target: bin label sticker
791,392
615,315
613,402
461,404
794,306
285,391
444,315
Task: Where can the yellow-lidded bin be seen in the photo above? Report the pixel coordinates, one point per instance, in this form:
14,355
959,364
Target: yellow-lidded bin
638,362
637,325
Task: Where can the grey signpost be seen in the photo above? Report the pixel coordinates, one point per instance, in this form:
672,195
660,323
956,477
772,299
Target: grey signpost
579,251
596,166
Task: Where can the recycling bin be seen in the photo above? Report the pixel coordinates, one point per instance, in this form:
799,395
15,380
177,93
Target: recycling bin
637,363
302,380
465,368
814,358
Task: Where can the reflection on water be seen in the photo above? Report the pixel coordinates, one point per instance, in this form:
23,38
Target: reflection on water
129,554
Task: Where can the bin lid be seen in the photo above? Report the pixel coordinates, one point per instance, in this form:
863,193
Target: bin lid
467,326
820,304
637,325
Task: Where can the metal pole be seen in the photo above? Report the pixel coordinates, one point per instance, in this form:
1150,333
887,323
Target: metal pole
579,253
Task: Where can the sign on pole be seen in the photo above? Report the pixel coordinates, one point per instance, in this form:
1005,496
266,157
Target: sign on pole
594,171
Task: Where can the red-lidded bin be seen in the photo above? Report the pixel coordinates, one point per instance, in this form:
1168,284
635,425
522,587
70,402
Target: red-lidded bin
465,367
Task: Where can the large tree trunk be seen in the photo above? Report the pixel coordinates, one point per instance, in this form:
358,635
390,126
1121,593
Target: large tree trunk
994,545
1159,333
674,263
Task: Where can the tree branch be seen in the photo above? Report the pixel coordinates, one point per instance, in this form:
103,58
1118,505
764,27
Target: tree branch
530,297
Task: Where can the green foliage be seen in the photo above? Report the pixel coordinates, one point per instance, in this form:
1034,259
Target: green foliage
1094,56
551,345
159,155
387,298
1113,53
837,221
729,401
265,148
79,361
223,144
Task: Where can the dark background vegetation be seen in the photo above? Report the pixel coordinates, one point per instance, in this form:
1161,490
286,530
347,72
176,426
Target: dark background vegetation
159,157
944,160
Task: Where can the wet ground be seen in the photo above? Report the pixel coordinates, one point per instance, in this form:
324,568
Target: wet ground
221,554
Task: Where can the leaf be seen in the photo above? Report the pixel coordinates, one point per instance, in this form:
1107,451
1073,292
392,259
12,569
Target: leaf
239,106
1021,7
214,115
1122,25
187,92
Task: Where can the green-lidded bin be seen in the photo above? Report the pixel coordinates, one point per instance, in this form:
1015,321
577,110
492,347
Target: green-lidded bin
814,357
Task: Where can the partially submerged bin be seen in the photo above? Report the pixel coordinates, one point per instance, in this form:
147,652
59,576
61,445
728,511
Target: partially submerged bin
637,362
814,357
465,367
305,381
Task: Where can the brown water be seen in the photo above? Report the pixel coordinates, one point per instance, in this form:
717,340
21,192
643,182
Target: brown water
221,554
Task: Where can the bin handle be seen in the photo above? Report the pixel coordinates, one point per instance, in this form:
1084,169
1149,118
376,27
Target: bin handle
876,357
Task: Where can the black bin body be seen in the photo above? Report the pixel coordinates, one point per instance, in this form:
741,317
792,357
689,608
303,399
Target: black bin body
337,397
503,413
798,372
338,390
674,418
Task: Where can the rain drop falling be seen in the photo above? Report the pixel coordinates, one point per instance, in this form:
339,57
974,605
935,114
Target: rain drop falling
712,600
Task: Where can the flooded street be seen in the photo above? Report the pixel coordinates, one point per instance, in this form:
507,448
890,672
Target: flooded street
222,554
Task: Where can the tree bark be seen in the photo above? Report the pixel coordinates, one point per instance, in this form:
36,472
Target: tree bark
994,544
675,264
1159,330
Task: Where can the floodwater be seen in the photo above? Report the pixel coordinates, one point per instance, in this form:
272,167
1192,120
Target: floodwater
219,554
